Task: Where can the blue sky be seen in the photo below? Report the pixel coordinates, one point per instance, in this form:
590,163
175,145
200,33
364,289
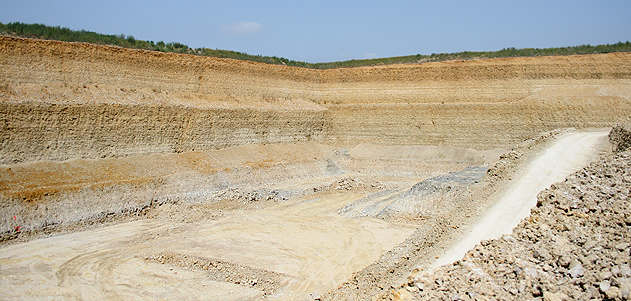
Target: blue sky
318,31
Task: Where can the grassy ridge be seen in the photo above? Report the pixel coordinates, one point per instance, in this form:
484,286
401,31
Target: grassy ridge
41,31
470,55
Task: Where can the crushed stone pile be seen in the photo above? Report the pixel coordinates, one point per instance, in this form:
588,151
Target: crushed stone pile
620,137
576,245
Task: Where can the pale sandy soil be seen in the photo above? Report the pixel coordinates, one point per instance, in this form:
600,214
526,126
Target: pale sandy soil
304,241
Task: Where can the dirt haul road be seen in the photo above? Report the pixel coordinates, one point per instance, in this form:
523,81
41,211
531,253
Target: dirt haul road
291,250
570,153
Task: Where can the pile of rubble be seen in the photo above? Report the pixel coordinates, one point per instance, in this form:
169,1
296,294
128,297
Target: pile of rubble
576,245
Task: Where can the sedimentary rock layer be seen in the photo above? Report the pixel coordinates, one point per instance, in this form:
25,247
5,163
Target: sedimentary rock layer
66,100
60,132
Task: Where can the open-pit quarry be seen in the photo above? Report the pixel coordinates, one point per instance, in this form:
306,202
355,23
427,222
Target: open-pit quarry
132,174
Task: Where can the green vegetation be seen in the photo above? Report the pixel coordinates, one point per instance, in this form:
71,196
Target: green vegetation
469,55
41,31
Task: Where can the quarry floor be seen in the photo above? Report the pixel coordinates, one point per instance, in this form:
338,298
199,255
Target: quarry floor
293,249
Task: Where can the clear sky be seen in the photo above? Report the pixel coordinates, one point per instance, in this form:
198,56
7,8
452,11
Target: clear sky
325,30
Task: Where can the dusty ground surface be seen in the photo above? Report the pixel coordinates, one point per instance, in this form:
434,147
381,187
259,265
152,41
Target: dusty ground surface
285,251
279,246
293,238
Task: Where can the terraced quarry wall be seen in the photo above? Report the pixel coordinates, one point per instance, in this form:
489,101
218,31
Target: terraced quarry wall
67,100
317,175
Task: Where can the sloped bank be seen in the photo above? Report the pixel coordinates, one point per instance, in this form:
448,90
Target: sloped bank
574,246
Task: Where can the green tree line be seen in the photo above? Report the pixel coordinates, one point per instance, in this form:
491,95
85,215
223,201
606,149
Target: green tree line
41,31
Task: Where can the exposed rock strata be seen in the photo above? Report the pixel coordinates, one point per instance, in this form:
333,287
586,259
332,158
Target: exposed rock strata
61,132
68,100
56,195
